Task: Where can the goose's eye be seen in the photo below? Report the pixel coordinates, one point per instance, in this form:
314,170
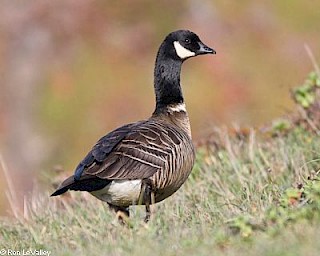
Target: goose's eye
187,41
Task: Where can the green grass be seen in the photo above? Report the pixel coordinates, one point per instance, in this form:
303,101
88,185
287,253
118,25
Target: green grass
248,196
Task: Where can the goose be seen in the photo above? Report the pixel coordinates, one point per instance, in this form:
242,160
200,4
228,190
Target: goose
147,161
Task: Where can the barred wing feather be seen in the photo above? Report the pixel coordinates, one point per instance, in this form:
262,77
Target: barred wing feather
140,153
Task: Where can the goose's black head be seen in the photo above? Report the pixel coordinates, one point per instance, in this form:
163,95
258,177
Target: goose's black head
183,44
177,47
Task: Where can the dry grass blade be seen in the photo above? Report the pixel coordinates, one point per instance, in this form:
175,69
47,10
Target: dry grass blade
312,58
11,192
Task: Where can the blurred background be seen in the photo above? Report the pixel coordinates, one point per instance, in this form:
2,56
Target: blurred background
73,70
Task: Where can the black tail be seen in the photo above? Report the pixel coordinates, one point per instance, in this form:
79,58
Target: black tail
87,184
60,191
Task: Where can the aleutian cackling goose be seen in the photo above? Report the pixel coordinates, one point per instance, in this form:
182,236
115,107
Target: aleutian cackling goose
147,161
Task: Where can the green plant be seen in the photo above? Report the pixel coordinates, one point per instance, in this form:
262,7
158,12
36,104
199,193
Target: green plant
305,94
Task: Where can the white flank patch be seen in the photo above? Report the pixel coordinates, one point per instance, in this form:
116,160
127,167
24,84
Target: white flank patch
181,107
120,192
181,51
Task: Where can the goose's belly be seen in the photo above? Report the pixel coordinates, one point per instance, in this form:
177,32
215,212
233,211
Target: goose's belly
167,190
127,192
165,182
120,192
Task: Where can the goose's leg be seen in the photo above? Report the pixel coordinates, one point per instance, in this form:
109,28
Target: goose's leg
122,213
148,213
148,198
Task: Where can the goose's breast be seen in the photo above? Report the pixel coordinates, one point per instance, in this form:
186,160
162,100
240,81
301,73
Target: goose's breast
176,171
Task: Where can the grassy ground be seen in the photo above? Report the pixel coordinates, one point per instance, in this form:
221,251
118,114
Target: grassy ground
245,196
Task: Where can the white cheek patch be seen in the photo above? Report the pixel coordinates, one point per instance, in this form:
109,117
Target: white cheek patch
181,51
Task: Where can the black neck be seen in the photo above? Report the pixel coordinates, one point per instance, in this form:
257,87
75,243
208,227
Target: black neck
167,79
